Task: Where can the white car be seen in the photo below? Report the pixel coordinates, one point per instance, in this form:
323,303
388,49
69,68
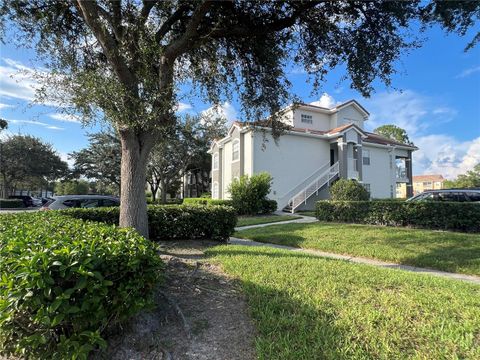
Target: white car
80,201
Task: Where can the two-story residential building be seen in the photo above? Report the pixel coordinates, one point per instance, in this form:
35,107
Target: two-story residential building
320,146
427,182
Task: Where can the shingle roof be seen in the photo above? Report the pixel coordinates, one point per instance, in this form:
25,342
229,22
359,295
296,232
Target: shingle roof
422,178
379,139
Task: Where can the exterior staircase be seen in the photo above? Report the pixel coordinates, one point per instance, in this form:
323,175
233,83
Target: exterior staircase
310,186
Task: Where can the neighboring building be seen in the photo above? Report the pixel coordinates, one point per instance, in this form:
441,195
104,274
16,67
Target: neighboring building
427,182
321,145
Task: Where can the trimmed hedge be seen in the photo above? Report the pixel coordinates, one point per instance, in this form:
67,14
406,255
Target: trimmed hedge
423,214
206,201
268,206
63,281
11,203
173,222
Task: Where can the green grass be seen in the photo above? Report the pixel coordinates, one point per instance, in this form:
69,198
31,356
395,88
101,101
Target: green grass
306,307
263,219
443,250
307,213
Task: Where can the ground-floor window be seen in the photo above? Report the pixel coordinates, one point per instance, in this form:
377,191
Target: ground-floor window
215,194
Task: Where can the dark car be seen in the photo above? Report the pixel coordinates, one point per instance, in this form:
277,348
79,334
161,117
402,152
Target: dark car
456,195
28,201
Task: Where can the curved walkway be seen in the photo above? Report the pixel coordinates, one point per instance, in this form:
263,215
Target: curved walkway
354,259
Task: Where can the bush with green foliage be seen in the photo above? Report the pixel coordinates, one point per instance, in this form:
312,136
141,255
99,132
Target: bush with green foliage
268,206
11,203
63,281
348,190
249,193
423,214
172,222
206,201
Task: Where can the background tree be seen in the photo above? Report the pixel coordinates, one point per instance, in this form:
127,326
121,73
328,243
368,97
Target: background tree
72,187
471,179
3,124
27,161
101,160
393,132
125,58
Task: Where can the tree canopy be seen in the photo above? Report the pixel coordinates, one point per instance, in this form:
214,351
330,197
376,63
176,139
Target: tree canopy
126,59
27,161
393,132
471,179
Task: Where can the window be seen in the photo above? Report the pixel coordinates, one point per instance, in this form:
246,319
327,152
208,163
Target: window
367,187
215,161
307,119
427,184
366,157
236,150
473,196
108,202
215,190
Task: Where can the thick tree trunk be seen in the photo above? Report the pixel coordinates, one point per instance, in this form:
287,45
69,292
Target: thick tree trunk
133,203
163,189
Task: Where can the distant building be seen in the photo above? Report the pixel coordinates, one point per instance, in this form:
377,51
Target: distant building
427,182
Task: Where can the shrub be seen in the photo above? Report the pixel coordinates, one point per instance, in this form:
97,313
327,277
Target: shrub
248,193
206,201
348,190
268,206
64,280
430,215
11,203
170,222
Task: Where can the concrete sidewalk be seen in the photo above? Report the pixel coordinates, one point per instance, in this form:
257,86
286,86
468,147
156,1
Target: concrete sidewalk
359,260
303,220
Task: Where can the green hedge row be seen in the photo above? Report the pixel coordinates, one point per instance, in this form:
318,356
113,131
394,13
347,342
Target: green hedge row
430,215
206,201
63,281
172,222
11,203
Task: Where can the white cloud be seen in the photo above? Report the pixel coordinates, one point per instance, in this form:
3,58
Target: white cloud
409,110
468,72
326,101
31,122
65,157
5,106
181,107
225,110
445,155
65,117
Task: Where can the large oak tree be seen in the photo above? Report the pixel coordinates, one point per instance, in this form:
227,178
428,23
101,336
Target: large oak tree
126,58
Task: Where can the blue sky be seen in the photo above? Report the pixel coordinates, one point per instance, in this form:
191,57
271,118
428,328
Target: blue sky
435,97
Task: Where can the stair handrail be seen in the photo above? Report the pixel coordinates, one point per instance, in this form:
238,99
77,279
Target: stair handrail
304,183
330,173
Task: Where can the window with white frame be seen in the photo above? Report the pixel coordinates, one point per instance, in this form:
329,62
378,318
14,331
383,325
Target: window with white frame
236,150
215,161
215,194
367,187
307,119
366,157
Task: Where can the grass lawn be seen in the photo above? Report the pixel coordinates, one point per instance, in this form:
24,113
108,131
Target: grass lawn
307,307
307,213
443,250
263,219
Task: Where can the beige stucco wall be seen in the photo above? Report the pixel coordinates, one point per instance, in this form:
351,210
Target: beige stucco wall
348,115
319,121
379,174
290,161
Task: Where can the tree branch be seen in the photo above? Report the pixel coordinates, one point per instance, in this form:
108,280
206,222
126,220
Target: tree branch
167,25
147,7
182,44
89,10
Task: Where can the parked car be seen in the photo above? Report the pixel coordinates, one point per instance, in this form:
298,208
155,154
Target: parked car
456,195
28,201
80,201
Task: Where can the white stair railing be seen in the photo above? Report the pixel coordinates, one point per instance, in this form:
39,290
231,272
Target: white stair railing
302,196
286,198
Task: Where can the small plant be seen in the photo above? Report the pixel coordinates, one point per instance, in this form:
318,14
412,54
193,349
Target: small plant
348,190
250,192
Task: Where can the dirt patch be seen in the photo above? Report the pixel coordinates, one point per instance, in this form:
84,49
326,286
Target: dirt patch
200,313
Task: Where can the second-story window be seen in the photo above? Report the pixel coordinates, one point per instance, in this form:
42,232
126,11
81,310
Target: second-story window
236,150
215,161
307,119
366,157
